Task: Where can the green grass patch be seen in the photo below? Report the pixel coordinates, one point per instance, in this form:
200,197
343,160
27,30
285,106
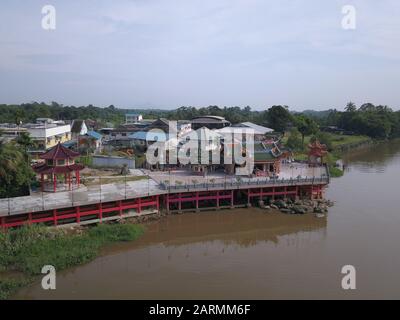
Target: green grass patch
29,248
85,160
341,140
335,172
9,285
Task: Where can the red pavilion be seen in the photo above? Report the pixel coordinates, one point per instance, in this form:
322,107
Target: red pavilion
58,161
316,152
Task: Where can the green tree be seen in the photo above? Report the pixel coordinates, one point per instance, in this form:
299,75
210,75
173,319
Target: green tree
279,118
25,141
15,172
294,141
351,107
306,126
324,138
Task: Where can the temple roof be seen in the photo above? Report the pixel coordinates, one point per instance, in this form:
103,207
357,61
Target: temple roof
59,152
317,149
45,169
268,153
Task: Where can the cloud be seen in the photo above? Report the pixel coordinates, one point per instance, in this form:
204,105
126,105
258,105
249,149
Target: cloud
228,52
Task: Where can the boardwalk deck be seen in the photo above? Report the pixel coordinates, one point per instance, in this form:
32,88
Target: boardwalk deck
60,206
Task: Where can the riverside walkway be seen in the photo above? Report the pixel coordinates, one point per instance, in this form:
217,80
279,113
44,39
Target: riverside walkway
160,183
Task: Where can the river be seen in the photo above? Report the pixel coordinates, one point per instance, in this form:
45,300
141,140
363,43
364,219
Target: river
252,254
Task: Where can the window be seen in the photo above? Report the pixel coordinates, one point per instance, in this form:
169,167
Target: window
61,162
50,162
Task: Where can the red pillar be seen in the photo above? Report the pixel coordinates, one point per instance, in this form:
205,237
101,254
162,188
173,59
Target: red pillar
78,178
100,212
30,218
139,205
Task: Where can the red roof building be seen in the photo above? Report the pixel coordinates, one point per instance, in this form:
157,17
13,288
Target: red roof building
58,161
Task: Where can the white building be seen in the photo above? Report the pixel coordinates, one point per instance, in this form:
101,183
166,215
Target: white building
78,128
10,131
46,135
133,118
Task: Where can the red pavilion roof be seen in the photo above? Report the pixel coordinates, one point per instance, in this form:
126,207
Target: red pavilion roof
59,152
317,149
45,169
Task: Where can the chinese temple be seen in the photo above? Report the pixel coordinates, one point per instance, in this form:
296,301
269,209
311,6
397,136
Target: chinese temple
316,152
58,161
268,158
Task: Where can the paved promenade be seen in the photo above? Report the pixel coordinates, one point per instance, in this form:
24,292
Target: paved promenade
159,183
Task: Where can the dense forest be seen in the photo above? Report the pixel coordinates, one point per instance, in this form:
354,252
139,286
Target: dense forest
375,121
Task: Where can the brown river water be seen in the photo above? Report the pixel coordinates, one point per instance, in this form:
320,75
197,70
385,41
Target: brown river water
252,254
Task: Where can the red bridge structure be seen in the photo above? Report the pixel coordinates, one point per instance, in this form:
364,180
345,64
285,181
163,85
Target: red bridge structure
144,197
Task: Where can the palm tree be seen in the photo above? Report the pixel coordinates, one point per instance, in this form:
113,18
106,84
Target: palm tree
10,160
351,107
25,141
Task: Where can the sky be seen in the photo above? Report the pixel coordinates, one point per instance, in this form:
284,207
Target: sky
172,53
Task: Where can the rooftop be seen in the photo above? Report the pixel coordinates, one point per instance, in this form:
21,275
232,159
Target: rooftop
257,128
59,152
94,135
149,136
208,118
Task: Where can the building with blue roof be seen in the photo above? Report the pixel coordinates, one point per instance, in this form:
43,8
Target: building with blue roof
92,140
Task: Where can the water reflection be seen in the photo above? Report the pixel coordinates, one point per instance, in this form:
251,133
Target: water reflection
374,159
221,245
251,254
240,227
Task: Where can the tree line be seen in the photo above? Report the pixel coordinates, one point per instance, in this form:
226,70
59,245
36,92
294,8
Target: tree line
379,122
375,121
